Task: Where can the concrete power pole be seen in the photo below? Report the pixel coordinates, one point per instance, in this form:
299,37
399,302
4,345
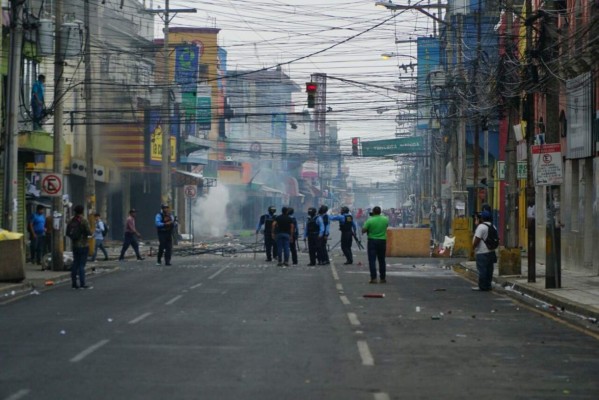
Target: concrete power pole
57,237
90,181
11,152
511,200
165,171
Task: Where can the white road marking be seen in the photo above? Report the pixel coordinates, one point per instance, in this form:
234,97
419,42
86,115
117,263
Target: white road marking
19,395
217,272
381,396
367,359
345,300
339,286
171,301
334,271
196,286
89,350
136,320
353,319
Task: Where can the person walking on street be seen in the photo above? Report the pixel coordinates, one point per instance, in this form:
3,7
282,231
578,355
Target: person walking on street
99,233
37,230
131,237
165,223
79,232
313,231
322,249
376,228
485,258
267,220
348,227
283,233
294,244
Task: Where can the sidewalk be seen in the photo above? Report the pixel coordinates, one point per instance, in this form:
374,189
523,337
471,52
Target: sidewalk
579,293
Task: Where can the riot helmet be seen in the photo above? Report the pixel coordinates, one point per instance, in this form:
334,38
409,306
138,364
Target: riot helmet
344,210
272,210
312,211
290,211
323,209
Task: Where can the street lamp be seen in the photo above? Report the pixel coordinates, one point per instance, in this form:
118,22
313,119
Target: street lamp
386,56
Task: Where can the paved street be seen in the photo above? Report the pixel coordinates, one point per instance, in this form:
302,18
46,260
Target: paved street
213,327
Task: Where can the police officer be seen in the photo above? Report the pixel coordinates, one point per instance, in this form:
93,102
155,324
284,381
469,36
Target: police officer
294,243
313,232
269,243
322,250
348,227
165,224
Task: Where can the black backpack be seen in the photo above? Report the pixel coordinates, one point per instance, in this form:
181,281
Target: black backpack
105,230
492,240
74,229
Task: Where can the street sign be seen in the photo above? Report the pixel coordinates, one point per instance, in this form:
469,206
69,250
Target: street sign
522,170
191,191
547,164
52,185
380,148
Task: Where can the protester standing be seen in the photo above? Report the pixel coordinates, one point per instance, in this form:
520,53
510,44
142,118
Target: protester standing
165,223
79,232
348,227
131,237
283,233
313,231
267,220
294,244
485,258
99,233
376,227
38,102
37,230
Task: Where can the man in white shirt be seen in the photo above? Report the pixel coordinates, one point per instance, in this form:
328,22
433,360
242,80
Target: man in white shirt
485,258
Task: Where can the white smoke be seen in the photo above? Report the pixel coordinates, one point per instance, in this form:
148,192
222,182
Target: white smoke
209,213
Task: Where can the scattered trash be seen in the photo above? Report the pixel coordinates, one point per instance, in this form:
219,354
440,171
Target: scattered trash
12,293
493,311
418,309
566,391
413,266
474,316
435,317
375,295
34,293
593,320
63,332
449,312
360,263
460,335
109,320
49,283
439,290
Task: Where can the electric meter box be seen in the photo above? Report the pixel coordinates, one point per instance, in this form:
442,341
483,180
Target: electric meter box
45,37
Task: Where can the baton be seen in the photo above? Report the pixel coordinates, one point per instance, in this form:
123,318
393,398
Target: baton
357,241
255,246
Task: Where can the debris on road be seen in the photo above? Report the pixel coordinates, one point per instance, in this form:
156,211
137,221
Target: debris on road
374,295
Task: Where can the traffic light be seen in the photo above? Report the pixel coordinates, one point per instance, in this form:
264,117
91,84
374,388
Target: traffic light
355,143
311,89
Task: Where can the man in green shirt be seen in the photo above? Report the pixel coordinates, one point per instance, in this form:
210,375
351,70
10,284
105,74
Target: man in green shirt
376,227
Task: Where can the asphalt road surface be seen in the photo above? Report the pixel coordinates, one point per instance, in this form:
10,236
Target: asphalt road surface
212,327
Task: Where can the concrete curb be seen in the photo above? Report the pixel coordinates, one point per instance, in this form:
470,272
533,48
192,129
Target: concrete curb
519,289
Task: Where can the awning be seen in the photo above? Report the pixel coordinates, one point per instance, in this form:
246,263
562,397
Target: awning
182,178
268,189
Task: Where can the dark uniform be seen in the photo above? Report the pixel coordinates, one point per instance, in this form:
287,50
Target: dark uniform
293,247
323,253
312,230
347,226
270,244
165,223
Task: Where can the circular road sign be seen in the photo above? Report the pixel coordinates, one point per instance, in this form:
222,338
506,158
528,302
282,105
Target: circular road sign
191,191
52,184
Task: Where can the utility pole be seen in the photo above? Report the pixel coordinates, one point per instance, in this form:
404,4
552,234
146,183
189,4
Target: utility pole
57,237
90,181
553,230
530,186
11,152
165,170
461,123
511,195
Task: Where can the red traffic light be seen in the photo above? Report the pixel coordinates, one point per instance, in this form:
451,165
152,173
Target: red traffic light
311,87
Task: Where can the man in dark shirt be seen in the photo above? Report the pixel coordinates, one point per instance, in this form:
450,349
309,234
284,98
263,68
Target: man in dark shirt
283,233
269,243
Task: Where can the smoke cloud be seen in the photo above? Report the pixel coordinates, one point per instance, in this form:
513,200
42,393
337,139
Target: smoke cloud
209,213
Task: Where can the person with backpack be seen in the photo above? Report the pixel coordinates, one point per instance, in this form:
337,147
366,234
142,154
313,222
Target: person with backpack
485,241
79,232
99,233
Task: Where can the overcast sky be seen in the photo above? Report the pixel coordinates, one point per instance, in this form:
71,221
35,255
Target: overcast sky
344,39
